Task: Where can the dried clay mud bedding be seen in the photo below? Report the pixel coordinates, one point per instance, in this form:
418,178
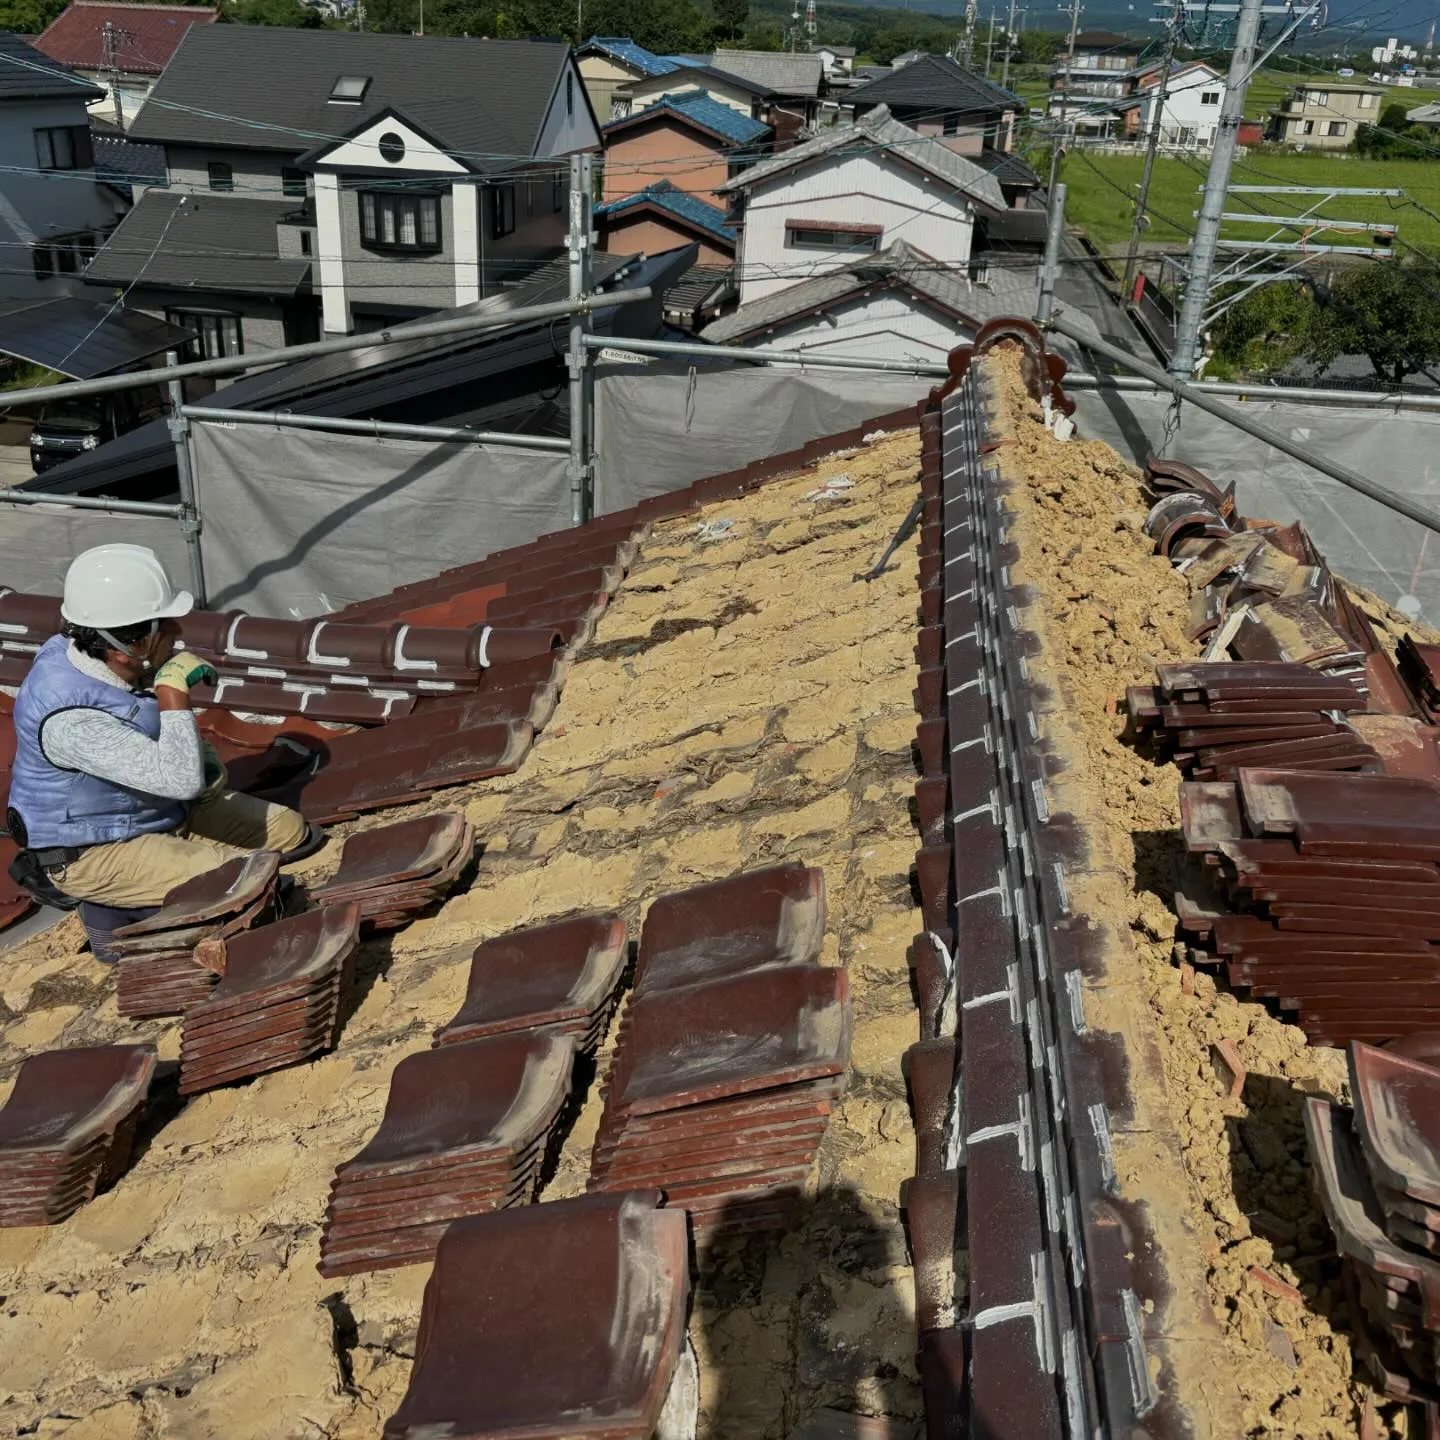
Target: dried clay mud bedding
744,702
1239,1229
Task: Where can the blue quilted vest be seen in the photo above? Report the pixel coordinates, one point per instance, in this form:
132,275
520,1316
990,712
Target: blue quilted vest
68,807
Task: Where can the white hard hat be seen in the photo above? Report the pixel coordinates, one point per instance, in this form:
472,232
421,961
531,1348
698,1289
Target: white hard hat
116,585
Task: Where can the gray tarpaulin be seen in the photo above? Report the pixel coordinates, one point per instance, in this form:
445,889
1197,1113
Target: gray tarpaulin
38,542
660,427
300,523
1361,539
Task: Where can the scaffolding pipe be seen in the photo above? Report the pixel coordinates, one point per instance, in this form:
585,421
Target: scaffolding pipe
190,518
85,502
378,429
1201,401
236,364
768,355
1366,399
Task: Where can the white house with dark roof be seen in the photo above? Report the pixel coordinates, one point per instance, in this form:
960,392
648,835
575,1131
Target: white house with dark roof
437,179
850,192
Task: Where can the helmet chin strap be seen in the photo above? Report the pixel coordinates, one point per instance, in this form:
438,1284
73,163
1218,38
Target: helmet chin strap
145,662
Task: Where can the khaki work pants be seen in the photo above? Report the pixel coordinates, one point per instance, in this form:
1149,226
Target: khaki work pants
134,873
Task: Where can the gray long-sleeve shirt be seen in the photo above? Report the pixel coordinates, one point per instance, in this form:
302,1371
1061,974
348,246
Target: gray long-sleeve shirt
172,766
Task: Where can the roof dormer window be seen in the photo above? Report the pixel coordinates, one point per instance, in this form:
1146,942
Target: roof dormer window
349,89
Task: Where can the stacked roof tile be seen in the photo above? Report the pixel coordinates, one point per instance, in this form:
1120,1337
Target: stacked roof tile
465,1130
563,978
175,957
68,1127
731,1053
394,872
277,1003
559,1320
1212,719
1377,1174
1322,892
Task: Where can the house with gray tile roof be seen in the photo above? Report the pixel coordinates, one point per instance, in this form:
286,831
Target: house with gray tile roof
897,304
336,182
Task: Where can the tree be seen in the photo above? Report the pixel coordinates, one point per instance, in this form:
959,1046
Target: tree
288,13
1384,310
731,16
1266,329
28,17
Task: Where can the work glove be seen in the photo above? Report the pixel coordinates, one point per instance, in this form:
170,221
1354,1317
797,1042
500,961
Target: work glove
183,670
216,776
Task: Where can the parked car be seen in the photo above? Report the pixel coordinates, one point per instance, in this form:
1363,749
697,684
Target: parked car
68,427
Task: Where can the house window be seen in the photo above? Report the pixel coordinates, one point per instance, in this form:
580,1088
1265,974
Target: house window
222,176
952,123
1367,102
823,235
502,217
399,222
1335,127
306,244
392,148
1307,127
1209,97
217,334
292,182
65,148
559,191
569,96
64,254
1318,97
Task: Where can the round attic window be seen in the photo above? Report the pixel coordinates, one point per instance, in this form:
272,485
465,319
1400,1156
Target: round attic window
392,147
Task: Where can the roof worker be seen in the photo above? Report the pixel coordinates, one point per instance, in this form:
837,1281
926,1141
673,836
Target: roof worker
114,797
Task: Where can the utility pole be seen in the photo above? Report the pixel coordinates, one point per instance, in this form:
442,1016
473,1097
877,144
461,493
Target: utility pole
1075,9
1160,91
1009,46
967,38
109,35
1217,182
1054,241
990,43
580,247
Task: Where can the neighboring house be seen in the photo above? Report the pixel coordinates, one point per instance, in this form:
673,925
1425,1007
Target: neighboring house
609,61
660,218
702,294
1426,115
689,140
1325,117
898,304
795,81
837,59
732,90
1191,112
935,96
55,211
909,58
418,204
121,47
851,191
1019,184
1084,87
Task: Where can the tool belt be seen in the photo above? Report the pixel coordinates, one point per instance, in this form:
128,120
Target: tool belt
30,869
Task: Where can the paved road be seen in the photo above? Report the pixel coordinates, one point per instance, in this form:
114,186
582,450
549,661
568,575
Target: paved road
14,464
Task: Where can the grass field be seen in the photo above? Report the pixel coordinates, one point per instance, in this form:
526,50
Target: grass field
1101,187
